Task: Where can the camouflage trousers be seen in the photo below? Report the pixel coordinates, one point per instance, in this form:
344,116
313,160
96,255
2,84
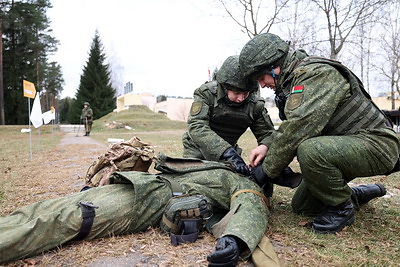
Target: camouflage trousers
88,126
191,150
128,208
50,223
329,162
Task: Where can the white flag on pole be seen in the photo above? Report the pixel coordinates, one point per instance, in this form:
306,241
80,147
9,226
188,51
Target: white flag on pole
48,116
36,113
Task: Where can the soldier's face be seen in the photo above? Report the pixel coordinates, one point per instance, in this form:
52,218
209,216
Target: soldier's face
237,96
267,80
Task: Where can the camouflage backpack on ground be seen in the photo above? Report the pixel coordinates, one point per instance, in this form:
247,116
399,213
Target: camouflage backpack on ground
133,155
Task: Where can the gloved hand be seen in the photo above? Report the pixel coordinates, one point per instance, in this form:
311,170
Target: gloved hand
288,177
236,160
226,253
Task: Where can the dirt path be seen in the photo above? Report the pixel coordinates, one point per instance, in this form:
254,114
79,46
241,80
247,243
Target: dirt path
73,139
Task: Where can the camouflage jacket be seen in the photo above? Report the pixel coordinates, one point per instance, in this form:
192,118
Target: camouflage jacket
214,125
87,113
319,99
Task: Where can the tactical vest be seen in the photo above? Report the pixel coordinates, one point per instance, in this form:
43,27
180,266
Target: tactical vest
230,122
358,112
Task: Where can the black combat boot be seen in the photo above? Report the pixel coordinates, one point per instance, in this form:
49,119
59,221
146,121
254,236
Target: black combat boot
365,193
334,218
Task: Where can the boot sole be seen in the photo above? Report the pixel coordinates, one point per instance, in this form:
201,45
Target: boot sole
349,222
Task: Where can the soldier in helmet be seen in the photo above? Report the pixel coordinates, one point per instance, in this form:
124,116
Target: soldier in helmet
329,122
87,118
221,112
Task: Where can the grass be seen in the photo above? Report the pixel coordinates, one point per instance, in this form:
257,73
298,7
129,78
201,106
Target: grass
373,240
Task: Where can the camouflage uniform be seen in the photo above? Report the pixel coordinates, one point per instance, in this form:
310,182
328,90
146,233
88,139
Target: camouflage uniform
131,207
215,123
331,125
87,118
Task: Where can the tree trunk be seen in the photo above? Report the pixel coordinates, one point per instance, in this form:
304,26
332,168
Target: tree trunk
2,118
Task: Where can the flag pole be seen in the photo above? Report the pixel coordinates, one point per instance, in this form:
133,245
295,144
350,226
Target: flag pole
29,92
30,133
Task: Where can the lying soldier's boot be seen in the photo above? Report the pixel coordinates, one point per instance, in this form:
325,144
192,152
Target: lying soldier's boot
365,193
334,218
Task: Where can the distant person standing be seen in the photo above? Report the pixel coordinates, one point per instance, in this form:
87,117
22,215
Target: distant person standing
87,118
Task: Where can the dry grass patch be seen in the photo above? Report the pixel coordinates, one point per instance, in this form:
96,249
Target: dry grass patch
373,240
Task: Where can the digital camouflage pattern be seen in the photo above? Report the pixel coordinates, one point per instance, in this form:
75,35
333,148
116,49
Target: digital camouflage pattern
260,53
131,207
214,125
87,117
133,155
230,76
318,93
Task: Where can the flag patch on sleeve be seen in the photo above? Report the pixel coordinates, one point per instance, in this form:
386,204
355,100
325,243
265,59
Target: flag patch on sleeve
297,89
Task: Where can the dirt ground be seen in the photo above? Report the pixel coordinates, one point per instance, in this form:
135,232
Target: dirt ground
62,174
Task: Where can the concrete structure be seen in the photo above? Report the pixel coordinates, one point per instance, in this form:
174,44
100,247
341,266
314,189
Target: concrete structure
175,108
385,102
126,100
178,108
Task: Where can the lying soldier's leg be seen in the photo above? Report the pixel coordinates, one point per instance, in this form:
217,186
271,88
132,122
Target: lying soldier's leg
44,225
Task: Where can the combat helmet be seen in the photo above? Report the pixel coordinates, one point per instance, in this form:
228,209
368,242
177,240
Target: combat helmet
260,53
231,78
86,103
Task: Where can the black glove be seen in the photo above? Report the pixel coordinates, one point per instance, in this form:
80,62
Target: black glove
288,178
236,160
226,253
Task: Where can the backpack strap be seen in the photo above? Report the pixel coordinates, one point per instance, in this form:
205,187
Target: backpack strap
88,214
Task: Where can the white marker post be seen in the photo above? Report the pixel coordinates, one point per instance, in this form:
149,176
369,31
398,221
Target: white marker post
29,92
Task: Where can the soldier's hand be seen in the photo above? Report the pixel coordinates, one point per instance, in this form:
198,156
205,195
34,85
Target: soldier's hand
257,155
236,160
226,253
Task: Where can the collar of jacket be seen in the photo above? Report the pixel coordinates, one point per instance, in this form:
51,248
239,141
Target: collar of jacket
293,58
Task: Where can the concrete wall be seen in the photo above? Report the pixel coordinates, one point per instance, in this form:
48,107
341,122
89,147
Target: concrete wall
178,108
124,101
385,103
175,108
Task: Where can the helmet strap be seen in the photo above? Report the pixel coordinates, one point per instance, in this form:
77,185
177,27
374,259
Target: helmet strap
273,73
273,76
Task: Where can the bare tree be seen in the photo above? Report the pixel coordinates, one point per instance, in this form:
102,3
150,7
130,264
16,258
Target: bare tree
2,117
300,23
363,45
343,16
390,49
252,16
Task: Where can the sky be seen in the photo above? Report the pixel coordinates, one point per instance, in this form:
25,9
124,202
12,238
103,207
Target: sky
164,47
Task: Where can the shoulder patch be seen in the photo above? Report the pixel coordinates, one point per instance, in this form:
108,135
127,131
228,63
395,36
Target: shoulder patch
196,108
294,101
297,89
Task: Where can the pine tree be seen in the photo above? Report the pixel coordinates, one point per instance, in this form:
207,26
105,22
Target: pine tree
26,45
95,85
